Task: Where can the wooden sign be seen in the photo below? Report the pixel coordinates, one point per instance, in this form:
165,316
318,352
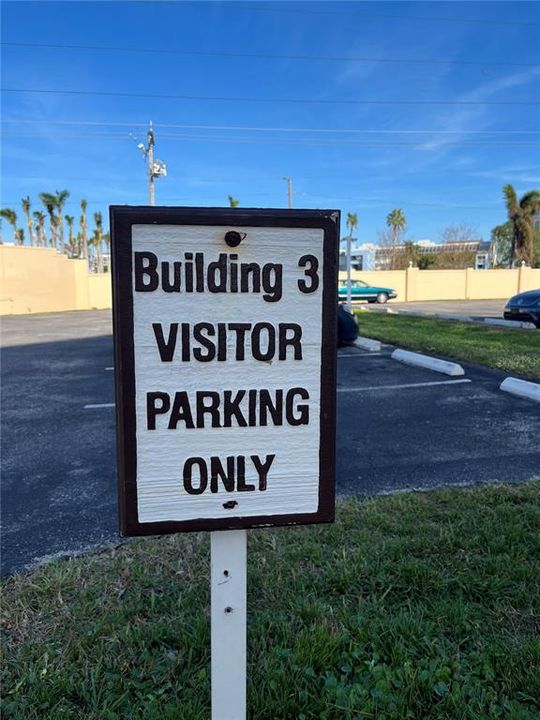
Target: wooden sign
225,360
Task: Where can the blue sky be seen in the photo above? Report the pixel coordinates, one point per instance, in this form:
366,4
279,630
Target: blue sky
441,163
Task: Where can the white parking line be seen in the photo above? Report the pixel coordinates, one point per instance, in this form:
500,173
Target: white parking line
110,368
358,389
405,385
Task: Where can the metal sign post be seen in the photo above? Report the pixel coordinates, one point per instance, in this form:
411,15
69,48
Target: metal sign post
228,611
225,367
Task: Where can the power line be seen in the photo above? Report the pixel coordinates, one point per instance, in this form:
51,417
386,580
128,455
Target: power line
290,141
246,128
269,56
280,7
303,101
284,7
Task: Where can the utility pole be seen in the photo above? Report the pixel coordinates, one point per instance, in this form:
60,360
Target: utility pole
150,157
289,190
156,168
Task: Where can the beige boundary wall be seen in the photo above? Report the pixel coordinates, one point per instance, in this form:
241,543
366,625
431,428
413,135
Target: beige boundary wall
414,284
37,280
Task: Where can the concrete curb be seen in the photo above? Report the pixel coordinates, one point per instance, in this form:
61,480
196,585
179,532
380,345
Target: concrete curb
367,344
384,310
521,388
425,361
436,316
508,324
512,324
449,316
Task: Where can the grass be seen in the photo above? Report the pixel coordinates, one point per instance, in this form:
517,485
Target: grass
415,606
514,351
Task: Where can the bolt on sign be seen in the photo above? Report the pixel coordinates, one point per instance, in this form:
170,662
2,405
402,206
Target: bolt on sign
225,360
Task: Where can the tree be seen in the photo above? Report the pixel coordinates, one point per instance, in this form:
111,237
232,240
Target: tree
107,241
19,236
54,231
397,222
41,236
501,242
409,253
459,245
520,214
26,210
352,223
61,197
92,243
72,242
49,201
536,248
425,260
84,229
98,237
407,256
11,216
233,202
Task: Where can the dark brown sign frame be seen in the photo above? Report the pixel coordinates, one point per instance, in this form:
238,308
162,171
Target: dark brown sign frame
122,218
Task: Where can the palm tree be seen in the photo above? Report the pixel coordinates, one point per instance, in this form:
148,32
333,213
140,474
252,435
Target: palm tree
84,228
26,210
520,215
352,223
91,244
54,231
98,236
107,241
397,222
233,202
41,236
49,201
11,216
72,242
61,197
19,236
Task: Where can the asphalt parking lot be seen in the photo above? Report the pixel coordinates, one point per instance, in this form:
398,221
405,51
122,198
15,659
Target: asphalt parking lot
399,428
477,309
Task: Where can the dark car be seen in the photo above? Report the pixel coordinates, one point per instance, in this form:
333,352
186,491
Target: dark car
347,326
524,307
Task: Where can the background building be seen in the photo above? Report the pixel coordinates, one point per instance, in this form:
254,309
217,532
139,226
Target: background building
478,254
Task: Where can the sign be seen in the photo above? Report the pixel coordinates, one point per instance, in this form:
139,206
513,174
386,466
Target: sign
225,363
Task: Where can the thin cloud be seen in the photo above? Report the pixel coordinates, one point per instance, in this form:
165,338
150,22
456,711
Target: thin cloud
466,118
527,175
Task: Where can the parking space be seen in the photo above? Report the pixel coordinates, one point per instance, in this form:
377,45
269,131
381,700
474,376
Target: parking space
399,427
58,460
471,308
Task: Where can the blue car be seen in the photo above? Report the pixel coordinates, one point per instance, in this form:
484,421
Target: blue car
360,290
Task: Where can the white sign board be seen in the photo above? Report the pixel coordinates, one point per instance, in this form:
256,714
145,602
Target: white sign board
225,342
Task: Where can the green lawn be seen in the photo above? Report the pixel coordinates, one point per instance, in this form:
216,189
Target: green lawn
515,351
412,606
